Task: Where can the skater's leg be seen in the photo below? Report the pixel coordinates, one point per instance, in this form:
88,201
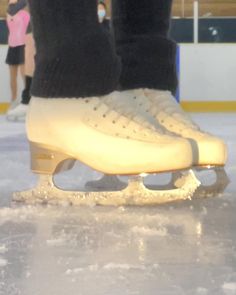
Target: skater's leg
141,34
19,112
148,58
29,66
13,81
75,58
22,72
141,29
77,66
74,113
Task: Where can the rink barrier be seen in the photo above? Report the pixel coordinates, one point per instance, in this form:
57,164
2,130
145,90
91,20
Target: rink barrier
189,106
209,106
4,107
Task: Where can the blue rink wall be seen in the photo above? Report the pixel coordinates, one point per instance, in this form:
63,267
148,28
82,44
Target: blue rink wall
207,78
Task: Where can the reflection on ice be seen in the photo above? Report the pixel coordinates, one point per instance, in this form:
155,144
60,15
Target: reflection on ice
130,250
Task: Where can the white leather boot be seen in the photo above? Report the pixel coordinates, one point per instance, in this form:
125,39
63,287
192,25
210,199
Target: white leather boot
96,132
209,151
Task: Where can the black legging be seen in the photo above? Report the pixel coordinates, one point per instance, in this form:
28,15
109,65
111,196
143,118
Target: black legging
141,33
76,58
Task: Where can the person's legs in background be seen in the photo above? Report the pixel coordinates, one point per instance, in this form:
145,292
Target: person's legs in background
19,112
16,62
22,71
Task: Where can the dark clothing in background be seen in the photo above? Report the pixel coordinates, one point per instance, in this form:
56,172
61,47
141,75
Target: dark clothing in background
16,55
106,24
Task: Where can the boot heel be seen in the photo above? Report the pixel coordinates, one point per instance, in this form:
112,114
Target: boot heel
46,161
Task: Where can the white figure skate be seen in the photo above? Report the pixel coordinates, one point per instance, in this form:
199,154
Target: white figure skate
18,113
210,153
108,137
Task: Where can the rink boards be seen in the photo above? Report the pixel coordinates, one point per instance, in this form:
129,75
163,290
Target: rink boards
207,77
206,74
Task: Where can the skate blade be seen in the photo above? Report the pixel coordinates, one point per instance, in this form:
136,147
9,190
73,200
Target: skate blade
134,194
203,191
217,188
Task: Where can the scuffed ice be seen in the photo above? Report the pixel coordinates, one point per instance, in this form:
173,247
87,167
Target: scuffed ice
3,262
3,249
185,248
229,288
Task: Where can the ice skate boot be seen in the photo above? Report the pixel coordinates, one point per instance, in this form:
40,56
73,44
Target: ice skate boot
211,151
18,113
149,62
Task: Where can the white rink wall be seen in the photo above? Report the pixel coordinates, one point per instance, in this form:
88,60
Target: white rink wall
207,73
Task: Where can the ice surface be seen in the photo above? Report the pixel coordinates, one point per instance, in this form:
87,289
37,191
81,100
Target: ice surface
176,249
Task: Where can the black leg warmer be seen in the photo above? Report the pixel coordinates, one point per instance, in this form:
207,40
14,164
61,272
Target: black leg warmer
75,57
141,34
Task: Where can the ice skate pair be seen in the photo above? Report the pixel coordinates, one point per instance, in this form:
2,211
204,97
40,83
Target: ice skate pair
114,135
76,114
110,135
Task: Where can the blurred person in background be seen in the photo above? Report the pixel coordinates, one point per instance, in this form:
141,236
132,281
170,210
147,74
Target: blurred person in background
19,112
102,13
17,22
